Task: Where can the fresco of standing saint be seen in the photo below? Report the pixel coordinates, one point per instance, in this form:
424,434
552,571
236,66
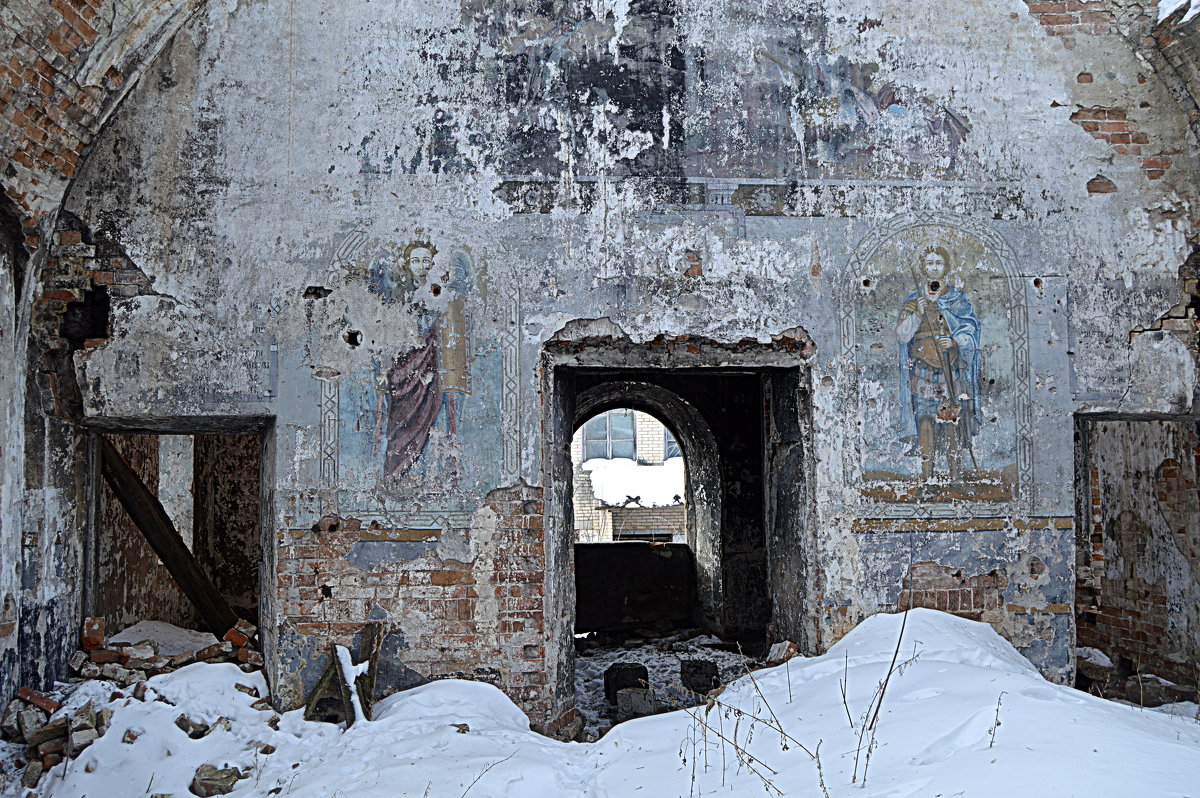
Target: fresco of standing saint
426,383
938,334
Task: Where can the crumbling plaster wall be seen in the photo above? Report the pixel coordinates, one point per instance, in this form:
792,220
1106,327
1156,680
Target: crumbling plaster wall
66,67
722,170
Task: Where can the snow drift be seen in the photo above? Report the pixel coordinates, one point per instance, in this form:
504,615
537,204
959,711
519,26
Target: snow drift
936,734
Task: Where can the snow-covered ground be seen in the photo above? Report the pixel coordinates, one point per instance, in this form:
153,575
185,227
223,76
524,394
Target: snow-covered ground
615,482
936,735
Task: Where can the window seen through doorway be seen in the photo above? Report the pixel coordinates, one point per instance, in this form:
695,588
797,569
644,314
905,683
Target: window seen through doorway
629,480
610,435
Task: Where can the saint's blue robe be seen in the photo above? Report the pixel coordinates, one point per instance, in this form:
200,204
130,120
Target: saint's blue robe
964,328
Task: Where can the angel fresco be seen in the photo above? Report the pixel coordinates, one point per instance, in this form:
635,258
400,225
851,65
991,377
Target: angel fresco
938,334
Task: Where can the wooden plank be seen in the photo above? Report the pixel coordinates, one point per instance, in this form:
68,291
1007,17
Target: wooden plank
343,686
150,517
368,651
319,691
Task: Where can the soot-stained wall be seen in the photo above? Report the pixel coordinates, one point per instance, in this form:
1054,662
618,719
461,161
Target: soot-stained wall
371,223
1138,572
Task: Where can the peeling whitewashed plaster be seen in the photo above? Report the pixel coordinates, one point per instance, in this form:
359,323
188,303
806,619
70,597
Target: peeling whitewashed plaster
237,200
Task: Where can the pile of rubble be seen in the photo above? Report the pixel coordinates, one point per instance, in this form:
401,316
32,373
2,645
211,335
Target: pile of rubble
28,720
1096,673
128,664
31,720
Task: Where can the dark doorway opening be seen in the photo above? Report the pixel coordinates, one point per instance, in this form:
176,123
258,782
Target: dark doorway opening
210,486
740,415
720,419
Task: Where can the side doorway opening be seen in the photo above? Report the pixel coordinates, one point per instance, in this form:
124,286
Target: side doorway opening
1137,567
210,486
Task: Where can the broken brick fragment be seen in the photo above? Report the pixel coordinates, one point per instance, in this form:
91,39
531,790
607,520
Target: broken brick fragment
210,780
236,637
222,649
250,656
53,746
79,740
241,633
140,651
47,731
31,696
92,636
33,772
103,656
8,722
192,728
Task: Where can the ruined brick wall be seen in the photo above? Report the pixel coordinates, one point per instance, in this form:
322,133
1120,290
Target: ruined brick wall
628,521
704,175
476,612
1138,583
65,66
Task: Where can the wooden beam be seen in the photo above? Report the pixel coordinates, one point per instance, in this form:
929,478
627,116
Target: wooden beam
154,523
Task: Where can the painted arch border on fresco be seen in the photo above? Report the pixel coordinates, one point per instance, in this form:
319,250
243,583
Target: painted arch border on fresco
1017,309
407,514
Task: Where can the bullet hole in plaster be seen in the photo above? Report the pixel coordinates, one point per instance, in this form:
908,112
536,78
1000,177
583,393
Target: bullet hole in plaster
827,381
435,289
1084,77
1037,282
317,292
872,403
876,347
867,282
326,591
352,337
1036,567
992,381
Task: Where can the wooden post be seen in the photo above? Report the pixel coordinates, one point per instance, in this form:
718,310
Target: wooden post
154,523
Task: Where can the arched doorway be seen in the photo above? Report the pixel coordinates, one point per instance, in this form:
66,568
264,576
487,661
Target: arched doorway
680,580
741,416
